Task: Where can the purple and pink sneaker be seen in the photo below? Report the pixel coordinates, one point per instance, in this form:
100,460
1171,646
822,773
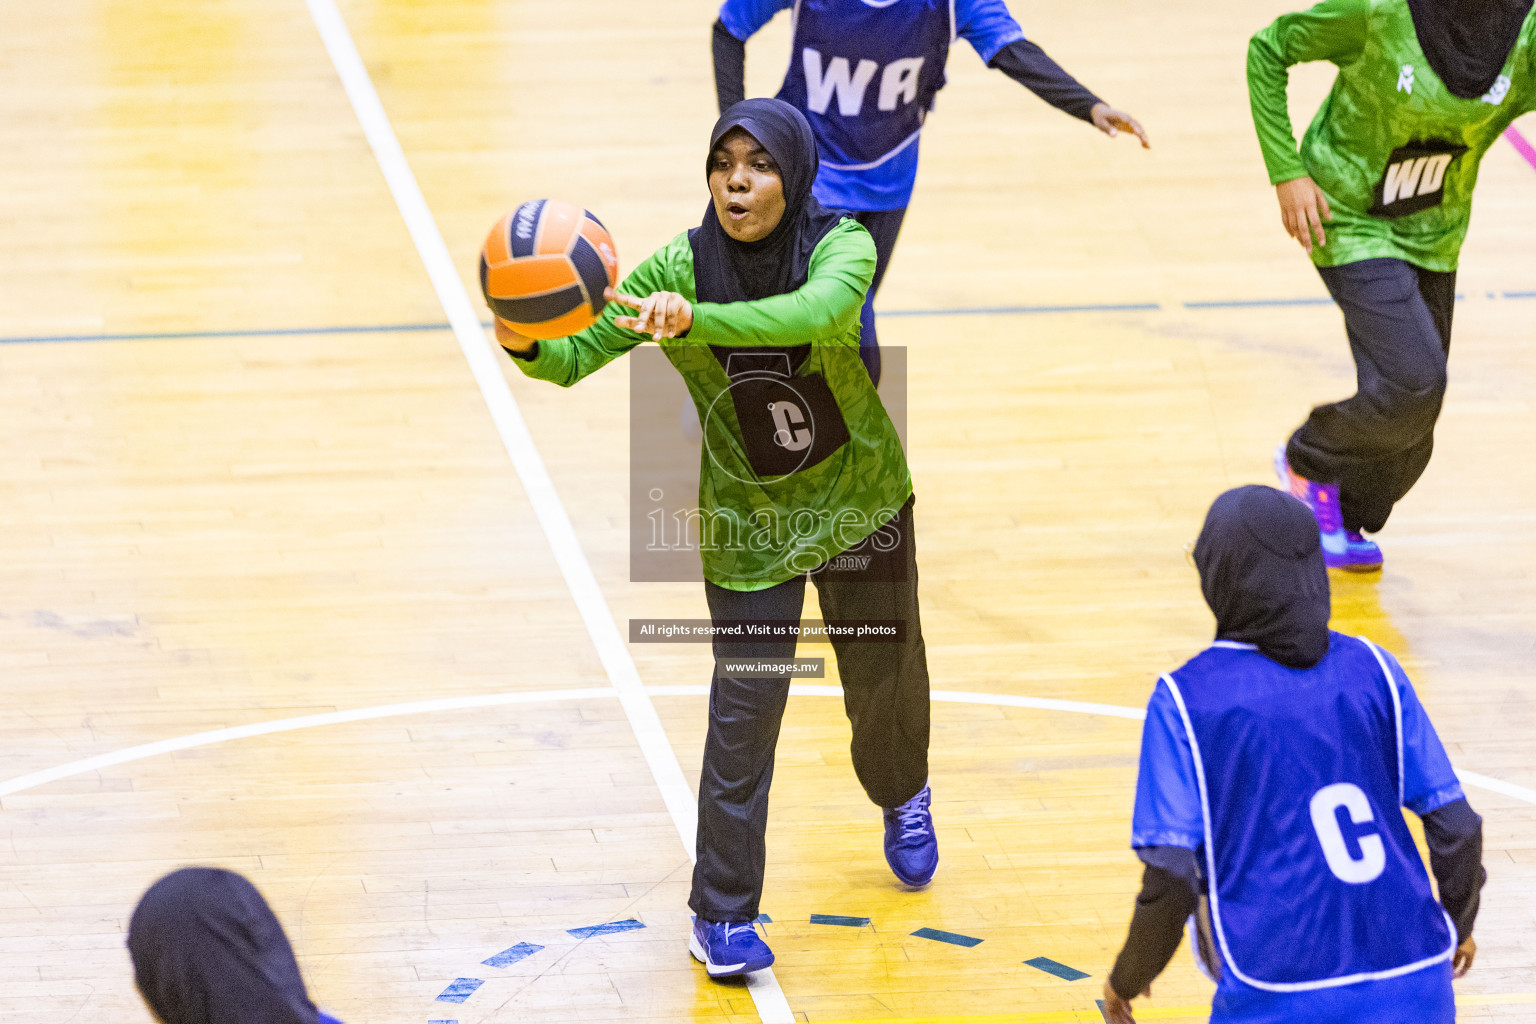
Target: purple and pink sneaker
1342,549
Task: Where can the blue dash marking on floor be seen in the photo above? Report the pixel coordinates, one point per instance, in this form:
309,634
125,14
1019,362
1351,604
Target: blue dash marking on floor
1258,303
846,922
442,1022
1112,307
952,938
764,919
1062,971
508,957
460,990
1520,295
604,929
1102,1013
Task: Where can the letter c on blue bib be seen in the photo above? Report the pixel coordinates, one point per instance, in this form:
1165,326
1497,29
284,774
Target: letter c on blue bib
1325,822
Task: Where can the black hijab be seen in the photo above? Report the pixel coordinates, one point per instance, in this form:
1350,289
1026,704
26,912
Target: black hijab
1262,573
1467,41
725,270
207,949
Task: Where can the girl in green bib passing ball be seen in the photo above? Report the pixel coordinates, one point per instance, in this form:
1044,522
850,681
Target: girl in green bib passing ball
1380,196
802,476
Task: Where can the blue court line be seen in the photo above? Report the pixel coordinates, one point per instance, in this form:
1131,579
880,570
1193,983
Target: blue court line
268,332
1113,307
290,332
604,929
953,938
510,956
838,919
1062,971
1258,303
442,1022
764,919
460,990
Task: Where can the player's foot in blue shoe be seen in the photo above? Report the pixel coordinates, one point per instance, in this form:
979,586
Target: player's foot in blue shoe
727,950
1360,554
1342,549
911,848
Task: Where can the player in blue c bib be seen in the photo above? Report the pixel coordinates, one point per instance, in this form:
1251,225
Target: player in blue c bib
865,73
1273,768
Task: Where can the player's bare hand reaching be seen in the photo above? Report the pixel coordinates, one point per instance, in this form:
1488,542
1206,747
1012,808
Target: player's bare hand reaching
1461,963
517,344
1303,209
1116,1009
1112,122
662,314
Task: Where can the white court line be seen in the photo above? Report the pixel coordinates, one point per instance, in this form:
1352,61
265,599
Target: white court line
949,696
240,732
423,707
765,991
1493,785
611,650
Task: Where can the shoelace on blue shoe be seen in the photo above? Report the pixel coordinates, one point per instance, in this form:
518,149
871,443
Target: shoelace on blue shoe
729,928
913,816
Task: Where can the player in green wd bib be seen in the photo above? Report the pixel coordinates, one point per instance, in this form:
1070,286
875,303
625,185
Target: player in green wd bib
802,475
1388,164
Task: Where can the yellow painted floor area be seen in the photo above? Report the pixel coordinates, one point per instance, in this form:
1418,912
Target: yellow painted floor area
202,528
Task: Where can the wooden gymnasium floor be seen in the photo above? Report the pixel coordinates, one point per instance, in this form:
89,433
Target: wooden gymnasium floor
247,477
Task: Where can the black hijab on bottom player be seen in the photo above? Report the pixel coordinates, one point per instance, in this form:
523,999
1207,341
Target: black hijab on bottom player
1262,573
207,949
726,270
1467,41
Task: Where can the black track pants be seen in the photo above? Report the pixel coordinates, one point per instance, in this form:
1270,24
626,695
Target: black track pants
885,687
883,226
1376,443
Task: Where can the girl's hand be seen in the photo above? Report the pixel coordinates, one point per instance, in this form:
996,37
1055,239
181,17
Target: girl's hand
510,340
1117,1010
1461,963
662,314
1112,122
1303,208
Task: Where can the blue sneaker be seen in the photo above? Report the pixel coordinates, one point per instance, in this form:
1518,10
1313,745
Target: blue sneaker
1342,549
1360,553
727,950
911,848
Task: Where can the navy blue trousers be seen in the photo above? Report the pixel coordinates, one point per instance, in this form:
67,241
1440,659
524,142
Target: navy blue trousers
883,226
1376,443
885,693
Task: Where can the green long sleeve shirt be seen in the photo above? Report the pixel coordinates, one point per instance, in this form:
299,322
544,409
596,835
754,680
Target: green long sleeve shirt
760,531
1395,151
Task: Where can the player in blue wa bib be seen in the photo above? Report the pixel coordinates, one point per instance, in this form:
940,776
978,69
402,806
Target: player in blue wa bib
1273,768
865,74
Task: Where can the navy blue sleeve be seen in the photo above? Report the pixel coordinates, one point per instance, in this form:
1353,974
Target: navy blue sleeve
1167,793
730,56
1428,779
986,25
1033,68
1167,828
742,18
1165,902
1454,834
